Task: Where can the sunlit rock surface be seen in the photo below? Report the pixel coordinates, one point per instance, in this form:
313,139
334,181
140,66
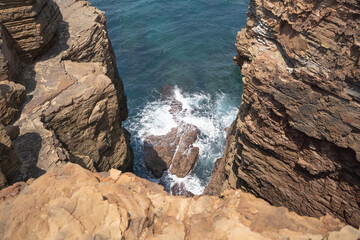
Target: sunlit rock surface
296,139
73,203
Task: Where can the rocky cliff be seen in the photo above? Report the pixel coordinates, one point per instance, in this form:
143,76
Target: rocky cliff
60,85
296,139
113,205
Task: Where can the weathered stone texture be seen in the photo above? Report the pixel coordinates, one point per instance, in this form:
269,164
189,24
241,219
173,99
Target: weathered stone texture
31,24
12,96
296,140
76,100
113,205
9,161
10,65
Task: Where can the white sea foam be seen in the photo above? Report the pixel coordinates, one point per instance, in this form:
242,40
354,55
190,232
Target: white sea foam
210,114
156,120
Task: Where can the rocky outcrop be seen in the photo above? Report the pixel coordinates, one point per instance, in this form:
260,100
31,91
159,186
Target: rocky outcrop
75,98
12,96
9,161
31,24
114,205
296,140
10,64
175,149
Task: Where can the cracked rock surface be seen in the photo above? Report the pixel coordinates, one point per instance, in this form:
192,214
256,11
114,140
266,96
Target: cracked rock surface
296,139
115,205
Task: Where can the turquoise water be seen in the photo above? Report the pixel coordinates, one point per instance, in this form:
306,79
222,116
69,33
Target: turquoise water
188,44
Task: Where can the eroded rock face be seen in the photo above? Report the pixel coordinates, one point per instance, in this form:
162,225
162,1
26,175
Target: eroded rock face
114,206
9,161
31,24
10,64
296,140
76,101
12,96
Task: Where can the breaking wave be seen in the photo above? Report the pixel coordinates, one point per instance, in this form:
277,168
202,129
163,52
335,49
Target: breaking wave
210,114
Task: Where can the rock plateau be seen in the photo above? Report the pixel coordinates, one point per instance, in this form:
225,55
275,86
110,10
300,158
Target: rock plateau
115,205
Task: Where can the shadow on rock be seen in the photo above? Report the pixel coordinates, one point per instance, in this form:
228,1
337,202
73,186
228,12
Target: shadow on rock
28,147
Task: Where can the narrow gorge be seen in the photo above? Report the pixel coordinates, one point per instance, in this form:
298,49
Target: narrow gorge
80,159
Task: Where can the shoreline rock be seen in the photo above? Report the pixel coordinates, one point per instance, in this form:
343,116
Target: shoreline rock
175,149
296,139
75,100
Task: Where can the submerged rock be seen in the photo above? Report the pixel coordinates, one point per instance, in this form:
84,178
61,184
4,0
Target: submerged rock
120,205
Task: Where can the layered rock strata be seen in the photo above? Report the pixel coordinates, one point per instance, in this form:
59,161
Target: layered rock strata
75,98
9,161
113,205
296,139
31,24
12,95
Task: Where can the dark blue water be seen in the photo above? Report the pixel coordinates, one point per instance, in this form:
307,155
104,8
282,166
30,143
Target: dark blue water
188,44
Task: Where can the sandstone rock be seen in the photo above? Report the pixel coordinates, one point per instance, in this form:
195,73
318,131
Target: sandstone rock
76,100
31,24
3,181
12,131
346,232
10,64
88,122
296,139
159,151
12,96
216,182
123,206
9,161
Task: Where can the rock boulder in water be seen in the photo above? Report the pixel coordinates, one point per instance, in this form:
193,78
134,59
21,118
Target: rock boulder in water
175,149
179,189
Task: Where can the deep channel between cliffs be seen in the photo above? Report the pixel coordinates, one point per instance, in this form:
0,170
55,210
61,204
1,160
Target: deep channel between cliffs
186,45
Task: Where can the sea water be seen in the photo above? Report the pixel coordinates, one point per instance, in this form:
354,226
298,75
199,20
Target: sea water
187,44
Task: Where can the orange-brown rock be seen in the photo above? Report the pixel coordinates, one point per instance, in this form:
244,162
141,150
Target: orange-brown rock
12,96
174,150
296,140
73,203
9,161
31,24
75,98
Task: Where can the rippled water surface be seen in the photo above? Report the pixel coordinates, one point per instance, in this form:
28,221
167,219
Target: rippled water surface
188,44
